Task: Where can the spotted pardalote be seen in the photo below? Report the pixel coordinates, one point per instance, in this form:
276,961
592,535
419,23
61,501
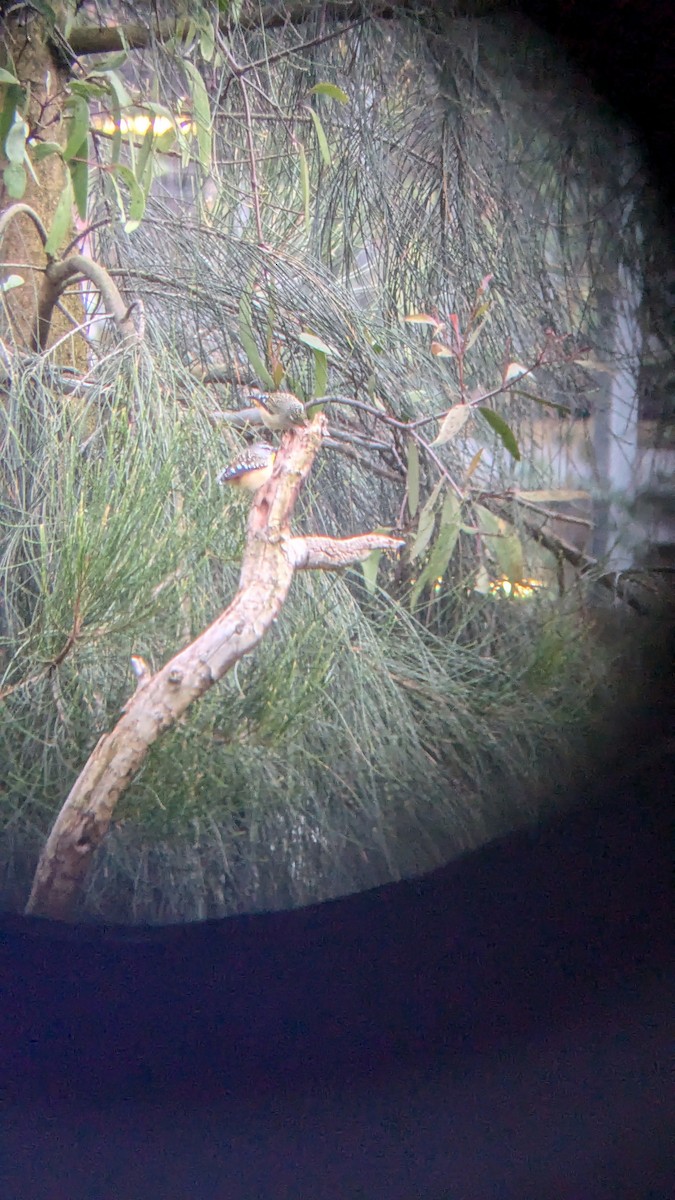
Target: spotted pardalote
279,410
250,469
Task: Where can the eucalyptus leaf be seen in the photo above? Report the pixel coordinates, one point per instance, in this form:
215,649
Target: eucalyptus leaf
63,219
201,111
7,77
13,98
117,88
78,127
206,39
136,197
320,374
454,420
145,155
370,567
11,282
426,523
330,90
413,477
503,543
321,137
316,343
111,62
15,142
443,547
562,409
88,89
79,171
14,177
44,149
503,431
249,343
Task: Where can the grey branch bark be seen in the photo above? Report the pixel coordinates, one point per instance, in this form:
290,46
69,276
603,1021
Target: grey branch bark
271,557
15,210
91,40
58,274
237,419
333,554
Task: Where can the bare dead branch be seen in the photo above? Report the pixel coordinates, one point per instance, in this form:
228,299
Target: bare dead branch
271,557
236,419
333,554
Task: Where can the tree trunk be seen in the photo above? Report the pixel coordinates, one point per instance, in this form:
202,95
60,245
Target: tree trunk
29,56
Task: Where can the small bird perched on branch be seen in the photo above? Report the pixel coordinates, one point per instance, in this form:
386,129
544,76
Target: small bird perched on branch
279,410
250,469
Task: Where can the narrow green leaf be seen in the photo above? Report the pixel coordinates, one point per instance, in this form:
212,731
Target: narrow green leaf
447,535
43,149
118,195
412,483
304,182
63,218
11,282
79,171
442,549
426,523
473,464
320,374
7,77
14,96
473,336
14,177
370,567
164,141
88,89
136,197
552,495
321,137
111,62
330,90
144,154
559,408
116,145
207,43
423,319
454,420
502,430
503,543
248,341
15,142
117,88
79,127
201,111
316,343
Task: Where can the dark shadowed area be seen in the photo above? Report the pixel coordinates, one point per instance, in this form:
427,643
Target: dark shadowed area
501,1028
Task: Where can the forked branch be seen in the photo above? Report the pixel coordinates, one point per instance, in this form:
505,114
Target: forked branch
271,557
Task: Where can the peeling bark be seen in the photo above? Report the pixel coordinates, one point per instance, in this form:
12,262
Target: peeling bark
271,557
